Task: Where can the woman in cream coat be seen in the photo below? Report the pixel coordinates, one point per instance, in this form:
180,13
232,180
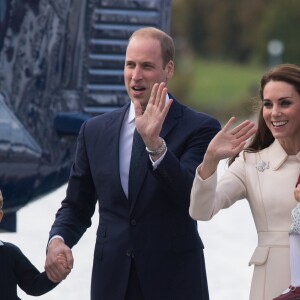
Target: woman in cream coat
264,173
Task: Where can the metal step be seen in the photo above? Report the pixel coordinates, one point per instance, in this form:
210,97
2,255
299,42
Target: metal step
112,23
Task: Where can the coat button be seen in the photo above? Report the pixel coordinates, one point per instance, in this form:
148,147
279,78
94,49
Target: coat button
133,222
129,253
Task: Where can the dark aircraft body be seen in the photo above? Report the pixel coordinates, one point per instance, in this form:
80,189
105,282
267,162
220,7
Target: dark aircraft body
61,62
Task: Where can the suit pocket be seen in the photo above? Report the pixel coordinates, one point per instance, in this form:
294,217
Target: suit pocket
98,253
260,256
101,231
101,235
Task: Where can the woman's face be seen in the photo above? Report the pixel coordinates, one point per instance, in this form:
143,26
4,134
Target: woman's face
281,112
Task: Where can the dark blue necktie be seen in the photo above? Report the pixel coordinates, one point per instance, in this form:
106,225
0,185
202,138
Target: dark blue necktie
138,148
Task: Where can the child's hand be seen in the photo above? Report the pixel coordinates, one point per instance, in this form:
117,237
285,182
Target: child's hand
62,259
297,193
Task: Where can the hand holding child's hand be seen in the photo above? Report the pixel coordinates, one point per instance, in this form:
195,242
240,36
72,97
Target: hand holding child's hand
59,260
62,259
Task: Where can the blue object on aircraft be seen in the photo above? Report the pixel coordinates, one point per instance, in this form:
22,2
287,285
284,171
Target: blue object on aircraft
69,123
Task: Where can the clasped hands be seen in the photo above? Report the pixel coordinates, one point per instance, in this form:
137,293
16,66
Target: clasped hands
59,260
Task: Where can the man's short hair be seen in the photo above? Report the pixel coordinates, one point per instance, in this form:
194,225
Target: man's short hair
165,40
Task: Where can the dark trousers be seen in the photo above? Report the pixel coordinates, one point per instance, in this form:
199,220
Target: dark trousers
134,291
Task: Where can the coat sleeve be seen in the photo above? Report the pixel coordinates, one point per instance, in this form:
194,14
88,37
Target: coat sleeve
29,279
210,196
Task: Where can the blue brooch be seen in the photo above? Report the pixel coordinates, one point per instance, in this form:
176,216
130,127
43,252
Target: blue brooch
262,165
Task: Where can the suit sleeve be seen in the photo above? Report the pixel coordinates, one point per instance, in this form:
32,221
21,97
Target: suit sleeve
186,149
77,209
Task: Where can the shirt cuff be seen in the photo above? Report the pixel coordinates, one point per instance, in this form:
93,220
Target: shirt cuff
54,237
157,162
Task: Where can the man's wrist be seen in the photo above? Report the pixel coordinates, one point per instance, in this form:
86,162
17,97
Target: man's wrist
58,237
159,151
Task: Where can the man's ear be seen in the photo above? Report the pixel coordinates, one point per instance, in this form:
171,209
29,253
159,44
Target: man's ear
1,214
170,69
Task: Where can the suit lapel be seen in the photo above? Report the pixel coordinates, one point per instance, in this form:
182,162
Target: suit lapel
172,118
114,125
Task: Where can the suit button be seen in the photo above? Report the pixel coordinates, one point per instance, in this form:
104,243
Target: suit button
133,222
129,253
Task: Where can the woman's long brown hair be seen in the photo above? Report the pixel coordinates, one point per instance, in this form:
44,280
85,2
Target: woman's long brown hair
263,137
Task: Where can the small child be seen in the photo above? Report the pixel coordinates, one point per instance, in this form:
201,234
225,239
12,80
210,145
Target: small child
16,269
293,292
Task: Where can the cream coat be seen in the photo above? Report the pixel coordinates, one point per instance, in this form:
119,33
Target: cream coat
271,199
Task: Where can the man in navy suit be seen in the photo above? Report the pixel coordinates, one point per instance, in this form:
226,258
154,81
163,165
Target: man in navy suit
147,246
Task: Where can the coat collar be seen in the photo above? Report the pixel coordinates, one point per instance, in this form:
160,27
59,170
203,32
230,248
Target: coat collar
276,155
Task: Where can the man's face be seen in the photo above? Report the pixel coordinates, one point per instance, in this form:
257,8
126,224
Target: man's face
144,67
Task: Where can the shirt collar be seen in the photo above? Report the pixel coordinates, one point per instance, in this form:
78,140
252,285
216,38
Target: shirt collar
131,114
1,243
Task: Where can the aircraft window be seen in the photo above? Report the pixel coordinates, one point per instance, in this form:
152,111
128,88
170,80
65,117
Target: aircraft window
13,136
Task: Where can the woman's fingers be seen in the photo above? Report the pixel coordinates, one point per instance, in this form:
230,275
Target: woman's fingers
244,130
228,124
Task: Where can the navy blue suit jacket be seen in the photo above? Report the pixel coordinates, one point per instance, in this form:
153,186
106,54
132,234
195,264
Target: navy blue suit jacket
155,228
17,270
